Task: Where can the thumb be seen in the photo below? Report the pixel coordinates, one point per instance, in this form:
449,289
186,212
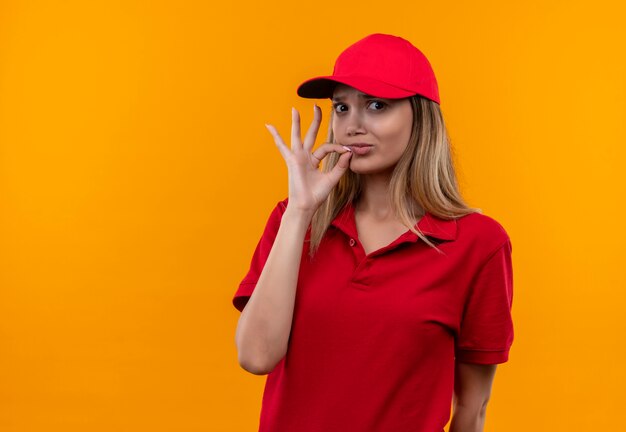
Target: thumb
340,167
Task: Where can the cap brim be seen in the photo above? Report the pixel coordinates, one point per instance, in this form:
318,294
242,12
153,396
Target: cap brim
322,87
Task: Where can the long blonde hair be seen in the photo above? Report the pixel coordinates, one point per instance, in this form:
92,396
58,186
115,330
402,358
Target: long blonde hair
424,175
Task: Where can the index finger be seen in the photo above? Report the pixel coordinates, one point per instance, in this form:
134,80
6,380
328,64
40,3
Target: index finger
322,151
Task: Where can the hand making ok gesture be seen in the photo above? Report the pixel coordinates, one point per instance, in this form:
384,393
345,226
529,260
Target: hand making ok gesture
308,186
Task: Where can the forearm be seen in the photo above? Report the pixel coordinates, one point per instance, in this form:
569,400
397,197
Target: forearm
468,419
265,323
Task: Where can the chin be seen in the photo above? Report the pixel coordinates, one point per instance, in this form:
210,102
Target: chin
368,168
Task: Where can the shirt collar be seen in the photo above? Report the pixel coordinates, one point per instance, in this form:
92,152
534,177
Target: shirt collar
429,224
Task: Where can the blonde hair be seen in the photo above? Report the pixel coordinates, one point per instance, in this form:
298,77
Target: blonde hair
424,175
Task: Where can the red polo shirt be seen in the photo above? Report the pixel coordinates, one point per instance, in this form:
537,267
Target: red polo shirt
375,337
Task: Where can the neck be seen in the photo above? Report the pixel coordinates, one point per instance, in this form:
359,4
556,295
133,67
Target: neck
374,198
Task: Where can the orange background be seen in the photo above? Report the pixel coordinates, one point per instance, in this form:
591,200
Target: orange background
136,177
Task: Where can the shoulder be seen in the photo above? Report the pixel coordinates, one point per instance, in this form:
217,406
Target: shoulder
274,219
482,231
279,209
481,224
277,213
283,204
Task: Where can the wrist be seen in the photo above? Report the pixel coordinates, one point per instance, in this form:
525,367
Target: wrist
298,217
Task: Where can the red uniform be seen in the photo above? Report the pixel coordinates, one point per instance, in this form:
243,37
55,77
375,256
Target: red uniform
375,337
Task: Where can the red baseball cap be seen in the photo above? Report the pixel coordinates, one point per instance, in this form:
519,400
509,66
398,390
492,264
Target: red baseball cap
379,65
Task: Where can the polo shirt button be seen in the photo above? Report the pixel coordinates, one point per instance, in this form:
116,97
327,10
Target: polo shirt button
352,242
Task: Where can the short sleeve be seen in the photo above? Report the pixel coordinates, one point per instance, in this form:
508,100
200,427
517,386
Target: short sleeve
486,332
259,257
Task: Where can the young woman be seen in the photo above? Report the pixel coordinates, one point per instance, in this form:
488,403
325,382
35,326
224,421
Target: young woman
376,297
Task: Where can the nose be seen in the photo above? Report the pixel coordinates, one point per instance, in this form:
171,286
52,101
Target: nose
354,125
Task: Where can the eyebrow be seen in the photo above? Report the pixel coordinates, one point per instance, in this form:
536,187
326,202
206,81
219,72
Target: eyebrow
341,97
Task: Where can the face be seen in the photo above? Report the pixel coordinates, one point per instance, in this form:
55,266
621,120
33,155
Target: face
376,129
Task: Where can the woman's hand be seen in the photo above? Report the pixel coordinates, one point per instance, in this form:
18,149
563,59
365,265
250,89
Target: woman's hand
308,186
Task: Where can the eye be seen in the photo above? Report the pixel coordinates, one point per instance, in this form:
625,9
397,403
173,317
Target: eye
377,105
339,107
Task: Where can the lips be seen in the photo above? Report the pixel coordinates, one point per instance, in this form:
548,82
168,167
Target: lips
360,149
